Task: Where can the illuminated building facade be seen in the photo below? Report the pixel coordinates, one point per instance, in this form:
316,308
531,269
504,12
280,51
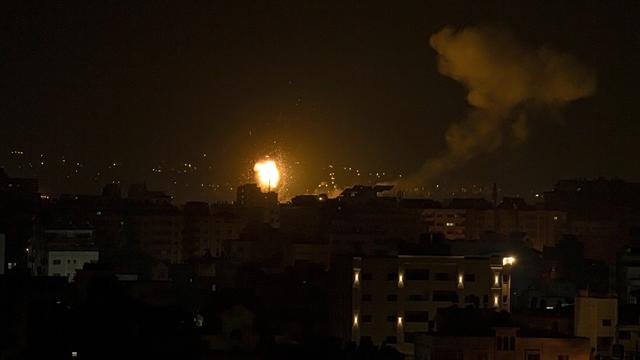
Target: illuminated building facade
393,298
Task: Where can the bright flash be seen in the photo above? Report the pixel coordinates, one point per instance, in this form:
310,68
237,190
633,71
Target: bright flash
267,174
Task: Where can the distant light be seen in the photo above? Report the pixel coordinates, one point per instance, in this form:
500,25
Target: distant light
549,307
355,320
510,260
495,300
399,320
555,218
496,280
450,224
400,280
74,354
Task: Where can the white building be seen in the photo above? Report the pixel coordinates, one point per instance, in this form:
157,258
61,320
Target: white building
65,263
596,318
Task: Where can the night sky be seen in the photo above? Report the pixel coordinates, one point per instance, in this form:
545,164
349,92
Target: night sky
186,96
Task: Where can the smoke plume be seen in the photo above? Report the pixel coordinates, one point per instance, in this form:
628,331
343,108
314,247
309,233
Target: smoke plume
502,76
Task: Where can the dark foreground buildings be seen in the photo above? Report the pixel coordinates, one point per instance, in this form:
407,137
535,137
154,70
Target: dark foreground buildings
360,276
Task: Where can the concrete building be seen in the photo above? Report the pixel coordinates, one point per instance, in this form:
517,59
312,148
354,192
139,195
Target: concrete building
257,206
395,297
629,340
540,227
198,231
628,275
449,222
596,318
503,344
2,247
158,233
66,263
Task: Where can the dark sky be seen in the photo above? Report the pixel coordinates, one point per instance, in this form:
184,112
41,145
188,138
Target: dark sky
156,85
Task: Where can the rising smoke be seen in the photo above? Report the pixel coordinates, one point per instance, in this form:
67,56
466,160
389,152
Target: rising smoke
502,76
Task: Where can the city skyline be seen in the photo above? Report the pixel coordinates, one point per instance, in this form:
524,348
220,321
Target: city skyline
151,90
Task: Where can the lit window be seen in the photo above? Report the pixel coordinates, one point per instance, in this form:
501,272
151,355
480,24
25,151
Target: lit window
399,320
510,260
450,224
496,300
355,320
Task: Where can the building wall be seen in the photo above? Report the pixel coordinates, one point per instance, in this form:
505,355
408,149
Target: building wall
65,263
542,227
396,297
2,247
486,348
629,337
159,236
449,222
596,319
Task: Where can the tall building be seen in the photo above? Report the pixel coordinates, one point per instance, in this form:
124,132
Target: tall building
395,297
257,206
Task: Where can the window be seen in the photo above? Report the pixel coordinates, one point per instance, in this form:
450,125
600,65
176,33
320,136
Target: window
416,316
391,340
563,357
57,262
505,299
532,356
417,274
392,276
366,297
392,297
442,277
441,295
418,297
366,276
505,278
469,277
606,322
367,318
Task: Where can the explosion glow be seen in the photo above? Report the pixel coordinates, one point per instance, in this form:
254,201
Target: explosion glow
267,174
